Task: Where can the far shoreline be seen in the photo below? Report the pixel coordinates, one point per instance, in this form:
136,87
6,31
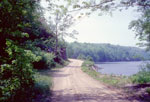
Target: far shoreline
120,61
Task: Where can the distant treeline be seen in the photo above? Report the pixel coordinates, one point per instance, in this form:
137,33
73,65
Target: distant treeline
106,52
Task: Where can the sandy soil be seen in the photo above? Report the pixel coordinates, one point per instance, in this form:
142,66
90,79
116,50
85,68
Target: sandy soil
70,84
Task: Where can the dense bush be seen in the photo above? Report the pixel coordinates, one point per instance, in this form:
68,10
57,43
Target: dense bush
143,76
46,61
16,69
148,90
41,89
16,77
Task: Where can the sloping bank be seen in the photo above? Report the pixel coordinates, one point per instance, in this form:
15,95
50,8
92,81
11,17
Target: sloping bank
136,86
117,81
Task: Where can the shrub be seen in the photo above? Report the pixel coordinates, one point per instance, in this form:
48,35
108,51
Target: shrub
81,56
47,60
143,76
16,77
148,90
41,89
89,58
58,59
88,63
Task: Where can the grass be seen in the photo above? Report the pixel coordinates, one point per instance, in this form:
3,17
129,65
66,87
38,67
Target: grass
61,66
148,90
117,81
43,83
143,76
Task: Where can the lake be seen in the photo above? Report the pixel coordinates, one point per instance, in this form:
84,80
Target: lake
120,68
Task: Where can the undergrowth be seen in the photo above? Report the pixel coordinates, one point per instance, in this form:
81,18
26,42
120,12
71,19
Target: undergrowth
143,76
43,83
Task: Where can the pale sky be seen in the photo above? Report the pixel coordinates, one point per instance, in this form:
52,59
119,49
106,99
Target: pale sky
106,28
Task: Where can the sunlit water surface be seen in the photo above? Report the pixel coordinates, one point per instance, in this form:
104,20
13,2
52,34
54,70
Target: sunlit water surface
120,68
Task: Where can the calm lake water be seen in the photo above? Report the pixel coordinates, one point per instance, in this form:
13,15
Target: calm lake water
120,68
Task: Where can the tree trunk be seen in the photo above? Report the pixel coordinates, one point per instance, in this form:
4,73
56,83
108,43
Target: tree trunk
56,46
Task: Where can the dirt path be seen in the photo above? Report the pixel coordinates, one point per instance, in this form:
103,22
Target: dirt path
73,85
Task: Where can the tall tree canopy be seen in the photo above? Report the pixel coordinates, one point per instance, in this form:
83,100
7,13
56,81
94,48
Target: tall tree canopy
106,52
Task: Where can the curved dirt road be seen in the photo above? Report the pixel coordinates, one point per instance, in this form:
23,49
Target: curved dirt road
70,84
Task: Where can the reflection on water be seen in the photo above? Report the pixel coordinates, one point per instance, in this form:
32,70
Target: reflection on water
120,68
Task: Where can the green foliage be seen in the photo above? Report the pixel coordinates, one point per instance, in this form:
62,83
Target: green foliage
41,89
81,56
41,78
148,90
16,72
17,76
48,58
141,26
46,61
143,76
89,58
106,52
88,63
86,67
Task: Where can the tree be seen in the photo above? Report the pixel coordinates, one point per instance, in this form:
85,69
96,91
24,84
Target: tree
142,25
81,56
106,52
60,20
89,58
16,73
142,28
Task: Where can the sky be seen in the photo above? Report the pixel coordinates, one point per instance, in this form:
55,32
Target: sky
106,29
